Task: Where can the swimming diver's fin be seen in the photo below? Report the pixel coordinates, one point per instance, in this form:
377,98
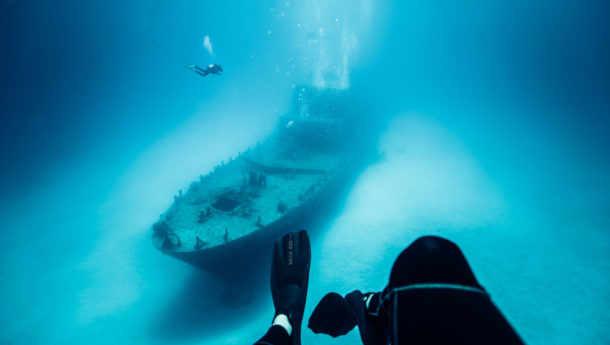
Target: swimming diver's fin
290,278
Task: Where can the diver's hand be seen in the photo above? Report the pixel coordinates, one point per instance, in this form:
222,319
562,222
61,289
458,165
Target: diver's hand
336,316
332,316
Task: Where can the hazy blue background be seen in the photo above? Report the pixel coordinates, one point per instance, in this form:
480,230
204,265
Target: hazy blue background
497,139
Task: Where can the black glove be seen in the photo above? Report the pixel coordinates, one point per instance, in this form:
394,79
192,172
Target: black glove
335,316
332,316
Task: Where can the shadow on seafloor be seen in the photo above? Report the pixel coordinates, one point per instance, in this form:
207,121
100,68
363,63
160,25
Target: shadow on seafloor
207,305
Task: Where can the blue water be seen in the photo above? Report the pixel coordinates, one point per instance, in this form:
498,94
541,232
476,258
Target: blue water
497,119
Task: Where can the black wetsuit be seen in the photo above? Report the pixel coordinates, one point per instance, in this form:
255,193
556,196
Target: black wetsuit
432,298
213,69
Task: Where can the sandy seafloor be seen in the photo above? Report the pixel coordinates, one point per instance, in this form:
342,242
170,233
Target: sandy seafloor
539,247
497,140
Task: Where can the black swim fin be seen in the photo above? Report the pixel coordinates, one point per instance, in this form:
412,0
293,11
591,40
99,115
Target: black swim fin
290,278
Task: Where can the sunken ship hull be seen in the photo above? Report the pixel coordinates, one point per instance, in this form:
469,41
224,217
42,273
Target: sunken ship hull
227,221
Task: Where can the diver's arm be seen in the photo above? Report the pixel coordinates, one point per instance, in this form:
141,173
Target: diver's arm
336,315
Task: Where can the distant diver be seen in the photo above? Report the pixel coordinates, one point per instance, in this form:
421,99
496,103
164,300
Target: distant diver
432,297
211,69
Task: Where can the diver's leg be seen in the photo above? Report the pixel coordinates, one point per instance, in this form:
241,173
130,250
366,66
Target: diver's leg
434,297
428,260
276,335
289,282
431,259
202,72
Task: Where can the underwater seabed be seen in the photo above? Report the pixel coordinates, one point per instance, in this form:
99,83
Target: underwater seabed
549,279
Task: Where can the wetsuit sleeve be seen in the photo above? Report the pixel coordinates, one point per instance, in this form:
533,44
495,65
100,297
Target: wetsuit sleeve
276,335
